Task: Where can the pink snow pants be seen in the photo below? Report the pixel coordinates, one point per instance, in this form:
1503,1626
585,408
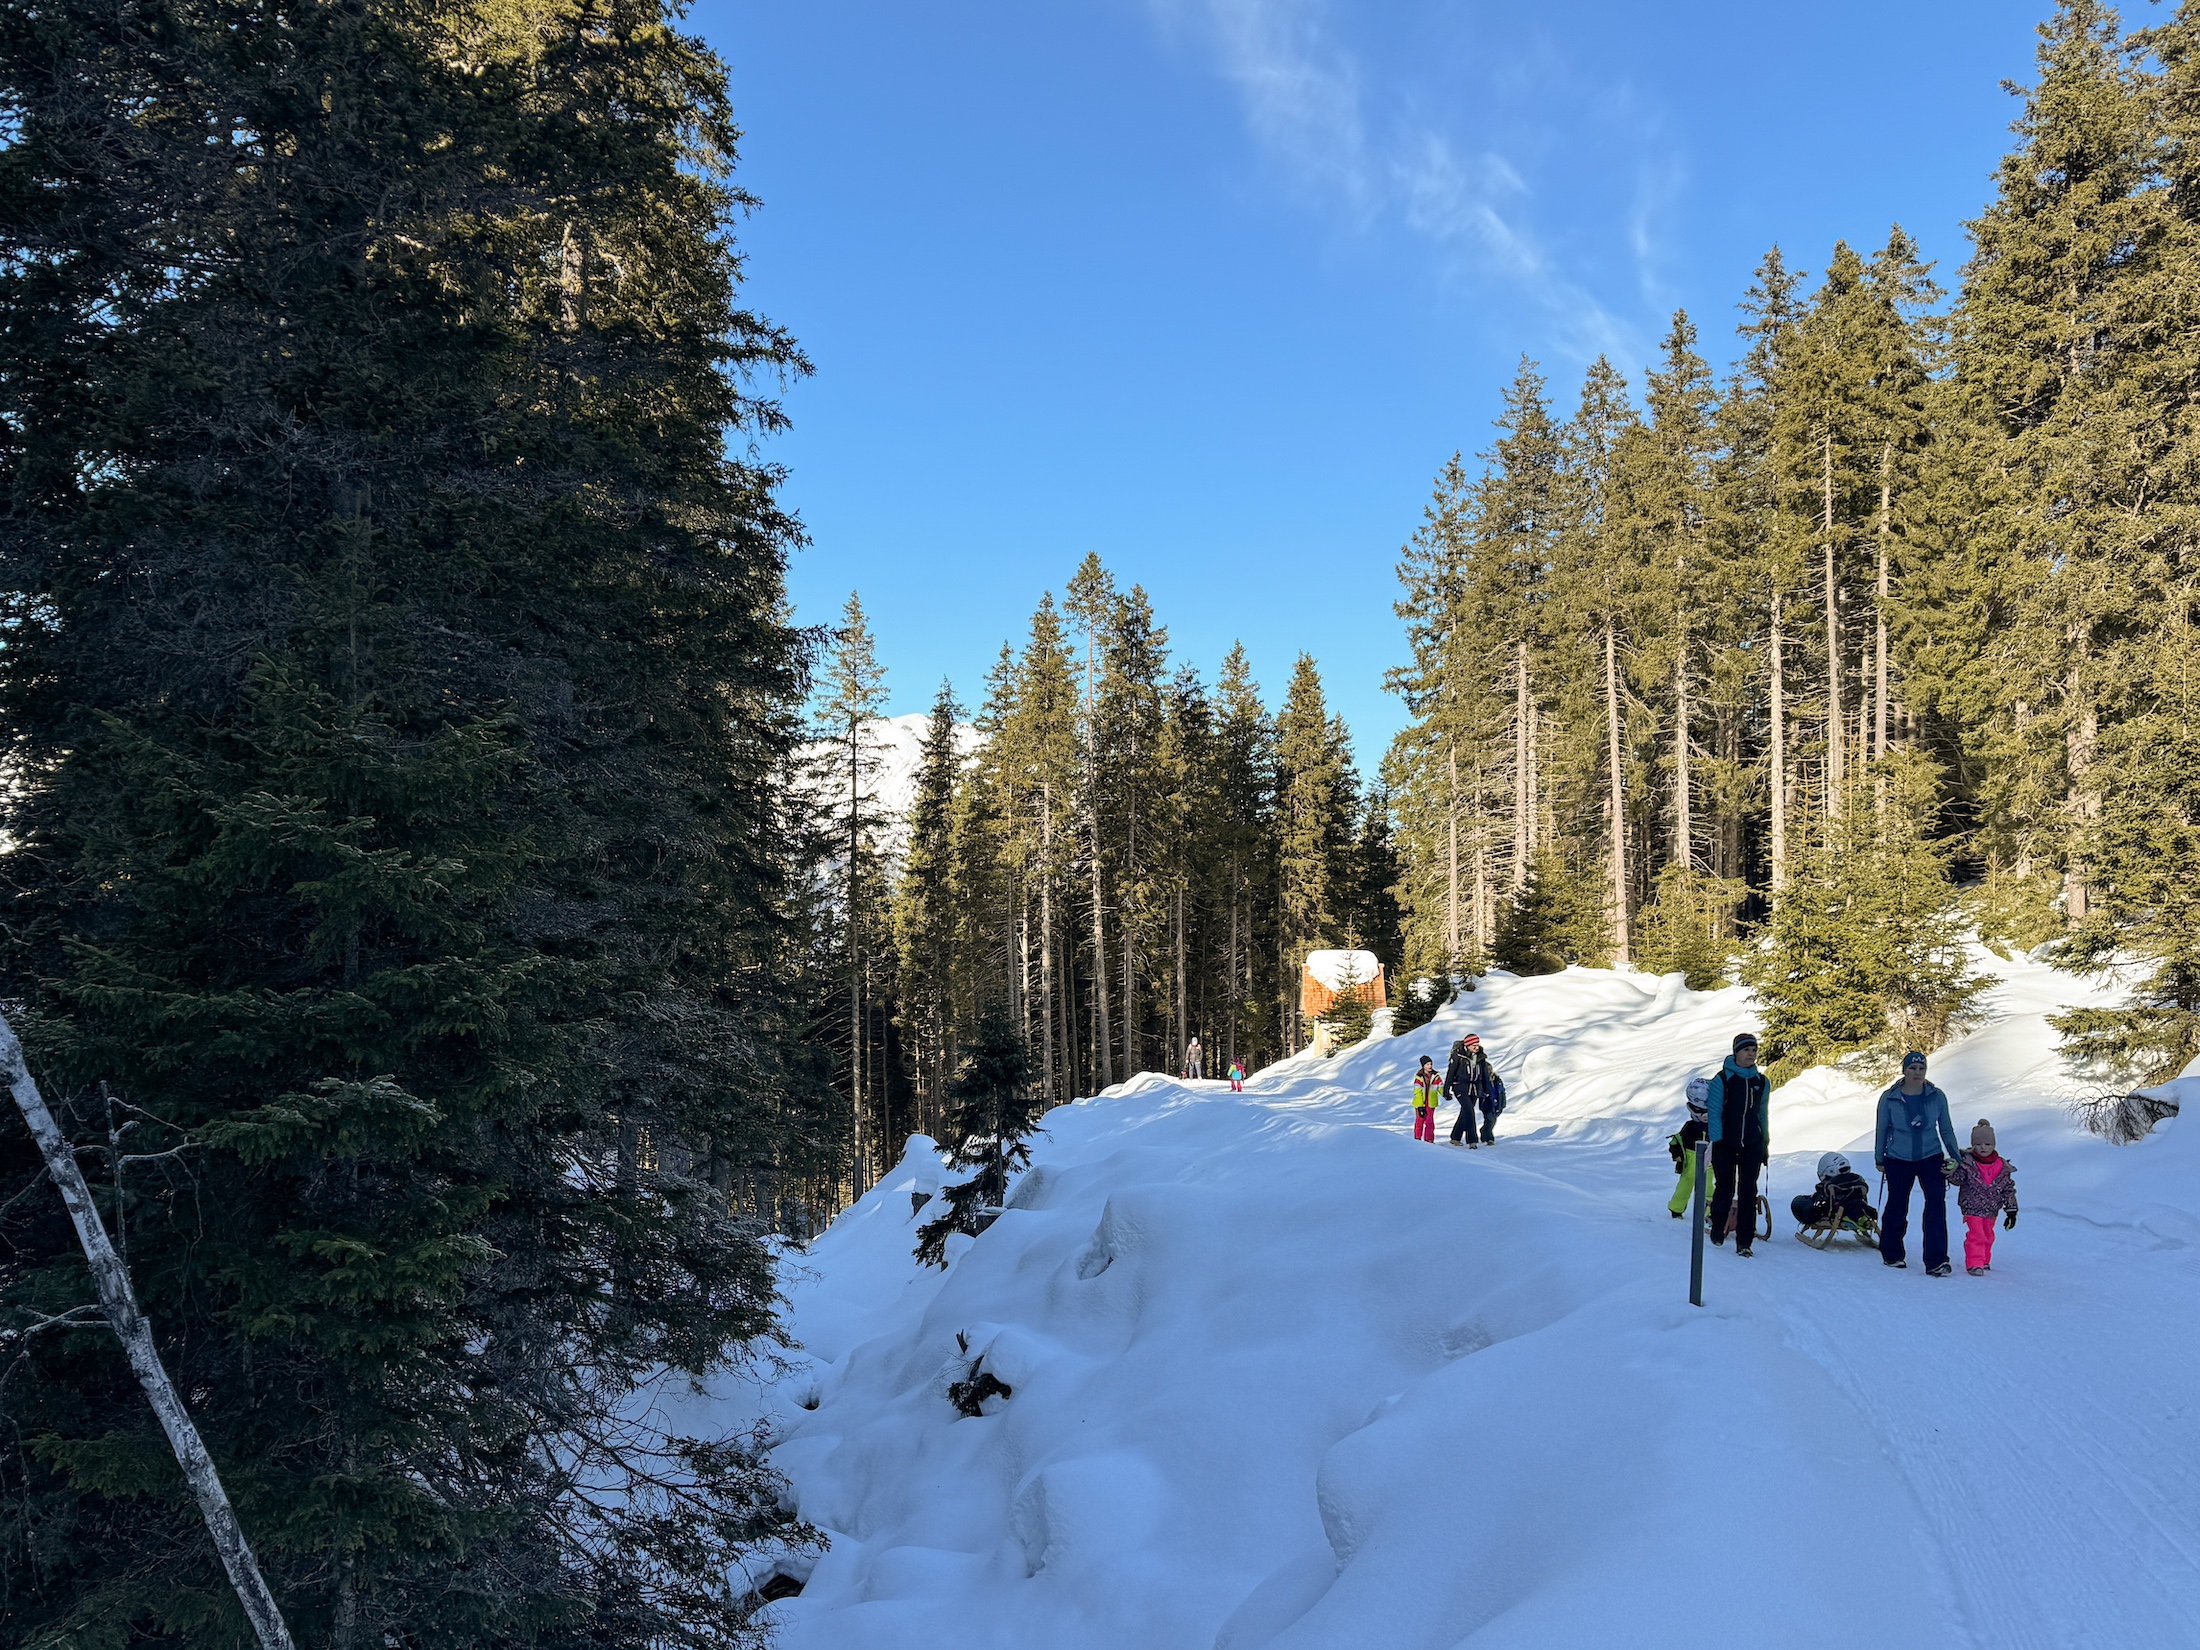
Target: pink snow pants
1978,1240
1424,1123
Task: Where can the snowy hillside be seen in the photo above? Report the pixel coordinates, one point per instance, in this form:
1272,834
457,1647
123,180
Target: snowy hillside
1282,1376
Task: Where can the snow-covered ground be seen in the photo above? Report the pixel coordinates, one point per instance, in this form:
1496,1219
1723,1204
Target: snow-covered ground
1283,1376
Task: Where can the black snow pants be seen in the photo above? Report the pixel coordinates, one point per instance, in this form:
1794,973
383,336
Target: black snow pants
1894,1221
1734,1175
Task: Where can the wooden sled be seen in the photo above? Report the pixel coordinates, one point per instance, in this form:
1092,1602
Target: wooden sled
1821,1233
1764,1217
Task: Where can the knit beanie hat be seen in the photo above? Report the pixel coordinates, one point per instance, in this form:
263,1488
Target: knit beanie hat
1746,1039
1913,1058
1982,1138
1472,1042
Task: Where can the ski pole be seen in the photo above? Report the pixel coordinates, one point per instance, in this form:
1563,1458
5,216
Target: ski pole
1695,1257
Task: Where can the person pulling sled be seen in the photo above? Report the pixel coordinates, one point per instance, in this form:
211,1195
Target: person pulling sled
1740,1143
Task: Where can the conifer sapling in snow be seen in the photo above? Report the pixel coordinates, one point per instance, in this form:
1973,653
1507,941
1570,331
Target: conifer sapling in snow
992,1110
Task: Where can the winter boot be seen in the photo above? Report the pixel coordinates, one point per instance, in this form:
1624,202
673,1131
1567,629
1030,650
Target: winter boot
1940,1271
1976,1271
1900,1264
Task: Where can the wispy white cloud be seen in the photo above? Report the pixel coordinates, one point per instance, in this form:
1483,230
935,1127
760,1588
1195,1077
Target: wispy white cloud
1306,102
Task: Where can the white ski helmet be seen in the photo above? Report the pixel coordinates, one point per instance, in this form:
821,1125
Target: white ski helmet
1831,1164
1699,1094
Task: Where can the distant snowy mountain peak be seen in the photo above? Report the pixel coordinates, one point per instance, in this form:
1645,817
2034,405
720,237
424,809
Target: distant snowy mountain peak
892,788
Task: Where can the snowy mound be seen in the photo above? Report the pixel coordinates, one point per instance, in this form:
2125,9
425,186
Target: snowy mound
1281,1376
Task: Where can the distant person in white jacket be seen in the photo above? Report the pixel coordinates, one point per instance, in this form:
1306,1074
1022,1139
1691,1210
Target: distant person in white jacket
1194,1058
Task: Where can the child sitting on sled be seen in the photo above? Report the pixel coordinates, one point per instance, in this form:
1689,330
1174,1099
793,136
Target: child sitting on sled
1839,1187
1684,1139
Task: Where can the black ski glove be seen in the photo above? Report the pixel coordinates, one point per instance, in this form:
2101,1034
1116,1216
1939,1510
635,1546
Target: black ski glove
2009,1221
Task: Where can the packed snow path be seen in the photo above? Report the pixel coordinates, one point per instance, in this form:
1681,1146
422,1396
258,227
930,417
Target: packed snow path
1283,1376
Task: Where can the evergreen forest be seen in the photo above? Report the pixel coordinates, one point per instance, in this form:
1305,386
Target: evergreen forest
456,915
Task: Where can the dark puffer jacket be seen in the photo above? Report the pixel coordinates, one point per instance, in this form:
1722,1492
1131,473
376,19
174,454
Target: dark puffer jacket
1739,1100
1975,1194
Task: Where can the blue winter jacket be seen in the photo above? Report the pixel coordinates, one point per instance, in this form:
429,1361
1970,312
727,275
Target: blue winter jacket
1741,1103
1913,1127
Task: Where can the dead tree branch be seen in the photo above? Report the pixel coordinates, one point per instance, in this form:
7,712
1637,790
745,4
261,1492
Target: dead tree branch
118,1301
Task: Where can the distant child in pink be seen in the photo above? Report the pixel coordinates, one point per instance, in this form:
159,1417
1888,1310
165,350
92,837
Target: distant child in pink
1237,1076
1986,1186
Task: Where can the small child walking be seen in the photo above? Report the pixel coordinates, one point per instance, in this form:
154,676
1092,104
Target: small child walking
1684,1139
1237,1076
1986,1186
1428,1088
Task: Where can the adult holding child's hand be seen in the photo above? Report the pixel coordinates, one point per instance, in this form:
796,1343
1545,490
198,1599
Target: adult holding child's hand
1912,1146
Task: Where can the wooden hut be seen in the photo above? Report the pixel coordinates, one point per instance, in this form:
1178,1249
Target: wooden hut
1324,976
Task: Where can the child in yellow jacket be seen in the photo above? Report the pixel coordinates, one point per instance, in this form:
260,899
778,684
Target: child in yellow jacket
1428,1089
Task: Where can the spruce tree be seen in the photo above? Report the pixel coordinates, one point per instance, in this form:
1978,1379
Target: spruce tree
1350,1018
2060,337
851,698
396,688
1866,951
1313,817
1242,790
992,1113
923,909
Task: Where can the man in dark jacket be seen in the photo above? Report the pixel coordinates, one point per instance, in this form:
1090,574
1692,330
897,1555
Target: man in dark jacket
1739,1142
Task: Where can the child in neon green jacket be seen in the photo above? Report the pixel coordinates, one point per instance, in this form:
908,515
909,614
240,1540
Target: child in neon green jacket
1428,1089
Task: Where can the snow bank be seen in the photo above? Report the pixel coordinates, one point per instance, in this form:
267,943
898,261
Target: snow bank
1283,1377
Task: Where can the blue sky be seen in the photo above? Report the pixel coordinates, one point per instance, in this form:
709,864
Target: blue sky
1213,287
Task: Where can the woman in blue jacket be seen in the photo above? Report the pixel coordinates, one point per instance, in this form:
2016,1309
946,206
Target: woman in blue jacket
1915,1138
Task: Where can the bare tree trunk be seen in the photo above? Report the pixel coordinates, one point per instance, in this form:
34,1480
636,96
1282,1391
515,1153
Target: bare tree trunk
1778,757
118,1303
2084,808
1046,941
1618,792
1103,1061
1451,909
573,278
1684,825
1235,943
858,1145
1836,734
1481,896
1522,800
1183,1033
1020,962
1879,692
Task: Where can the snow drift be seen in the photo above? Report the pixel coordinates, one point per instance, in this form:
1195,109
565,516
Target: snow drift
1280,1376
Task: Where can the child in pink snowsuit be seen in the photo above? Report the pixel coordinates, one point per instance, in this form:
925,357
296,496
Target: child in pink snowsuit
1237,1076
1985,1186
1428,1088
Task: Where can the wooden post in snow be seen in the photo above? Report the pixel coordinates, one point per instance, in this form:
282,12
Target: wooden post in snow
119,1302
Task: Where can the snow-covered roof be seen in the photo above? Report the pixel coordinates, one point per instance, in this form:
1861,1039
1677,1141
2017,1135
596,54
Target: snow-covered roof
1328,967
